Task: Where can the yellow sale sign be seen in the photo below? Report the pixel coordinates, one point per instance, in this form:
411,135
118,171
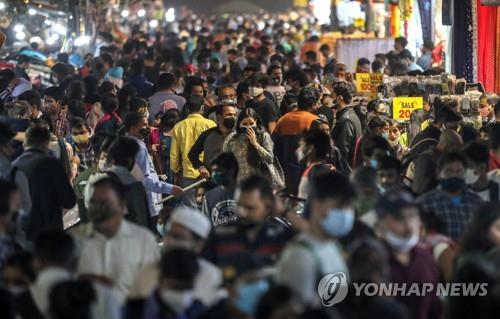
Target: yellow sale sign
376,80
402,107
363,83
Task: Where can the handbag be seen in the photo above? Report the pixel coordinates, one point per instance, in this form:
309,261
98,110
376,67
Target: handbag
275,172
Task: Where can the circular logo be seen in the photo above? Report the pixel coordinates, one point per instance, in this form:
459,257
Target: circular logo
333,288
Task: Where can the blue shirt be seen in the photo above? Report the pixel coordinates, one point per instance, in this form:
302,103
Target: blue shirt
152,183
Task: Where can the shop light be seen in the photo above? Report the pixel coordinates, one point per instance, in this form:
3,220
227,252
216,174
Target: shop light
141,13
170,15
153,24
125,13
20,35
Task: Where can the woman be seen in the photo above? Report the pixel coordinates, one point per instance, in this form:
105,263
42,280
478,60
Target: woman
377,126
316,150
396,140
251,144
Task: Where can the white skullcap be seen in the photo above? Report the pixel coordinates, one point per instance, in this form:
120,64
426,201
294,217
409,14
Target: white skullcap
192,219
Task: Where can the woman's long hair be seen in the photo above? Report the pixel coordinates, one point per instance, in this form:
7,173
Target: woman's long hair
252,155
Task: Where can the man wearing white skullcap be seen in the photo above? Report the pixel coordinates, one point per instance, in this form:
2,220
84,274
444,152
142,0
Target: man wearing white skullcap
187,228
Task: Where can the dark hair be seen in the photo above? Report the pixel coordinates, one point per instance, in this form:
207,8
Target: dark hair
363,61
122,150
476,237
165,81
311,55
275,298
132,119
72,299
228,162
450,157
219,108
114,184
273,67
76,90
54,247
322,189
137,67
402,41
308,97
377,65
53,92
6,190
194,104
477,152
109,104
257,183
375,123
242,88
428,44
125,94
399,69
321,143
344,90
170,118
76,108
107,58
191,82
78,122
296,74
446,114
32,97
494,136
22,261
38,136
179,264
390,162
248,112
136,103
371,143
105,88
497,109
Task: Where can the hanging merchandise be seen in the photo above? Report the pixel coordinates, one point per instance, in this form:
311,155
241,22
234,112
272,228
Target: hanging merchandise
463,47
406,8
487,45
425,8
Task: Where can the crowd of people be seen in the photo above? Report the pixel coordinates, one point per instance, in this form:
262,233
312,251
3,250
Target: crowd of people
223,176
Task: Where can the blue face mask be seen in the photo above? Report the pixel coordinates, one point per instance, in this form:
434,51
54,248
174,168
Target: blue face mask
161,229
338,222
249,295
373,163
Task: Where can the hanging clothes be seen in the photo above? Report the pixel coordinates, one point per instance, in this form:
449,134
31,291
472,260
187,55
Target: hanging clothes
487,45
463,48
425,10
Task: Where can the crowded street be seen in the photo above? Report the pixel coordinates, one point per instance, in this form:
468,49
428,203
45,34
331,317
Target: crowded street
249,159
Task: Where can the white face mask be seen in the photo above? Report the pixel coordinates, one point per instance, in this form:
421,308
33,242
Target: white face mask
255,91
179,301
470,176
401,244
102,165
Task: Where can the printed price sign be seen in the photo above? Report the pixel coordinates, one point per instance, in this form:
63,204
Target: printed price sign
363,83
402,107
376,79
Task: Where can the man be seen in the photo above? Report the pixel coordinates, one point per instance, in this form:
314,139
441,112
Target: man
408,59
348,127
315,253
296,79
389,173
184,135
425,60
400,44
82,143
226,95
52,105
121,156
49,185
399,226
62,75
254,235
35,101
363,66
445,118
138,80
8,172
189,229
165,98
210,141
55,254
378,66
10,203
265,108
451,202
476,175
299,121
275,86
218,203
113,250
136,126
173,298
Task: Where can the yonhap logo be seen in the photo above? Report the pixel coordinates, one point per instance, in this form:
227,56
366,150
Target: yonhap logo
333,288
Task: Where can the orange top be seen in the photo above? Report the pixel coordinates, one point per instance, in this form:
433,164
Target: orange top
295,122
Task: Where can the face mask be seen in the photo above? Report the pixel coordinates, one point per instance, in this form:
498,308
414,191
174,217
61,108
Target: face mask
385,135
178,301
102,165
228,101
338,222
146,114
229,122
245,128
401,244
160,228
452,184
373,163
82,138
249,295
470,176
219,178
145,132
255,91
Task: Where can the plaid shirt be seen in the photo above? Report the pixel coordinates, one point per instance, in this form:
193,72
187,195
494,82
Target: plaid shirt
61,128
87,157
454,216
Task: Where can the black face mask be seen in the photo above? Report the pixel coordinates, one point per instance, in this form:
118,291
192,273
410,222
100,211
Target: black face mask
229,122
145,133
452,184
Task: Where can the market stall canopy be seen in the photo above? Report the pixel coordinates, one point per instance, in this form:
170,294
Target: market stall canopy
34,55
237,6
